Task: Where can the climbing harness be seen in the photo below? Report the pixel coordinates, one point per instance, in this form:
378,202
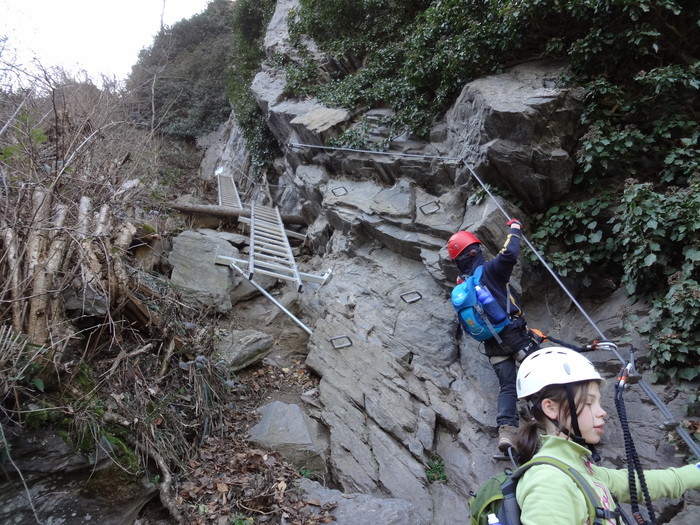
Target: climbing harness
670,422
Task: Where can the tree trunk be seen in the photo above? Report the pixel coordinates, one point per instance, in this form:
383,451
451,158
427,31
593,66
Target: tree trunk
13,264
37,328
222,211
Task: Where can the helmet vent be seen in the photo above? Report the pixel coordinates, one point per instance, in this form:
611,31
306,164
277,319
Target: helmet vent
567,368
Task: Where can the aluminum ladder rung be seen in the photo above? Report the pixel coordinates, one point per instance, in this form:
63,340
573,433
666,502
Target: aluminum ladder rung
267,236
243,265
269,230
285,273
272,258
264,241
290,233
270,246
266,211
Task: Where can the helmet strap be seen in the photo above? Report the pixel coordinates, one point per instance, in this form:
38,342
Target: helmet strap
574,416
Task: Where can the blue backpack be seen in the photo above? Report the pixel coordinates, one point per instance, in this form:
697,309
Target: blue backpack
481,319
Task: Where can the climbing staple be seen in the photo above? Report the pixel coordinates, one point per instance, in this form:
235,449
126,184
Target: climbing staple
339,191
340,341
411,297
435,207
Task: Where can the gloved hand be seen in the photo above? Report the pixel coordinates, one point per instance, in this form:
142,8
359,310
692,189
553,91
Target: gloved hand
514,223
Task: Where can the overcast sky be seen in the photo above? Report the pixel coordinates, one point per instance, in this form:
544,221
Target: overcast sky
99,36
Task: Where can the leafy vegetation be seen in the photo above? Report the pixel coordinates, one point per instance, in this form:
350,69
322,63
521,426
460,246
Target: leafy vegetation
179,82
435,470
576,236
250,21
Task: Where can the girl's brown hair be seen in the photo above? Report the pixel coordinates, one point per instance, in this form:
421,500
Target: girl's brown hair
528,441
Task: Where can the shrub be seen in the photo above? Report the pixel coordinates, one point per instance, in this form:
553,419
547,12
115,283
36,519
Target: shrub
250,20
179,82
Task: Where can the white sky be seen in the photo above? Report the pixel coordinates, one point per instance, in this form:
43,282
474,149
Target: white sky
99,36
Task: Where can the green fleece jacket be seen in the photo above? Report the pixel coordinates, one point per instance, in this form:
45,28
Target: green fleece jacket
546,495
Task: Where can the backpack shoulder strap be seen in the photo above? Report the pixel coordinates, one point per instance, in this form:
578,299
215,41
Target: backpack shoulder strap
477,274
596,511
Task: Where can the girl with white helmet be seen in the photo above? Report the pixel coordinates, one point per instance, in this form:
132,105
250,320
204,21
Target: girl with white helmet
562,390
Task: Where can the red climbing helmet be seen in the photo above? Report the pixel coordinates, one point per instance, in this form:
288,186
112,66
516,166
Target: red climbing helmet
459,241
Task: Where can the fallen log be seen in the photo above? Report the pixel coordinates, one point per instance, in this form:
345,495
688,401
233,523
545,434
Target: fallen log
225,211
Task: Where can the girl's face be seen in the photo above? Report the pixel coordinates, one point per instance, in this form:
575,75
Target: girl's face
591,416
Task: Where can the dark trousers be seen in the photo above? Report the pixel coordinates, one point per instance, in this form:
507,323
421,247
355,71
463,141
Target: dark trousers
515,338
507,397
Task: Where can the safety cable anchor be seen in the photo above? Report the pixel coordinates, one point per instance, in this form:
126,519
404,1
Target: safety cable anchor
669,425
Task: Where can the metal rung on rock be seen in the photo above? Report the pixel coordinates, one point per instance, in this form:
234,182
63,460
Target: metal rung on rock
339,191
341,341
411,297
431,207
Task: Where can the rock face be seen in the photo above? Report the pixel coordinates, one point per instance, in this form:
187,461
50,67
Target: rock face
66,486
519,131
399,382
288,430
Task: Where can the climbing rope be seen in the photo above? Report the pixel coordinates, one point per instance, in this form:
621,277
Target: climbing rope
634,466
694,447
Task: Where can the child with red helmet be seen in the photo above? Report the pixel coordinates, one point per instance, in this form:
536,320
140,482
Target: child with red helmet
464,248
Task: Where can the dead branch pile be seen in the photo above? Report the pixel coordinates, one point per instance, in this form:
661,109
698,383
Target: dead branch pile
73,204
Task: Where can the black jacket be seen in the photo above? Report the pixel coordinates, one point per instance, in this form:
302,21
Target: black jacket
496,273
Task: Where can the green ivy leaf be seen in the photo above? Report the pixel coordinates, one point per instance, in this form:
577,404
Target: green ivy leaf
596,237
692,254
688,373
650,259
39,384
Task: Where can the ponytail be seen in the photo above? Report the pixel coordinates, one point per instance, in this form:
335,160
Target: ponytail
528,441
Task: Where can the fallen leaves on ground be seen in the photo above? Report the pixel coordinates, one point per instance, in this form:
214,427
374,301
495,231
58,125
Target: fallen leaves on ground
230,482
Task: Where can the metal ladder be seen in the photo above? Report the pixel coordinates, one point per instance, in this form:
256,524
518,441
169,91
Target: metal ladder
270,253
228,193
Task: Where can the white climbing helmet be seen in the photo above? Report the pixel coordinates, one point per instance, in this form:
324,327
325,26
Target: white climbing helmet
553,365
